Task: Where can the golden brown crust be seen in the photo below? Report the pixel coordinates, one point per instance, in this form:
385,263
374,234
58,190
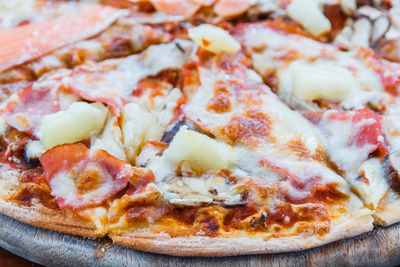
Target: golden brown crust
388,214
40,216
209,246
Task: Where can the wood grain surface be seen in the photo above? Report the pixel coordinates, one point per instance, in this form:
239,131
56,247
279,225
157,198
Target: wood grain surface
380,247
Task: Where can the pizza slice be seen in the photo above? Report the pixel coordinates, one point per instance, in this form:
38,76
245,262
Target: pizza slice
54,111
238,167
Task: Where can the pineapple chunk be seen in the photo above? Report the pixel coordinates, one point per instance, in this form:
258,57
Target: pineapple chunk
312,82
214,39
310,16
78,122
138,126
201,152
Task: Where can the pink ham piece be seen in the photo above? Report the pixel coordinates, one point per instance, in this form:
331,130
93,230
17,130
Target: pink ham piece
80,178
24,43
26,110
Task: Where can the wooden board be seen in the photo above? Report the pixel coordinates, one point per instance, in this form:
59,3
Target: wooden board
380,247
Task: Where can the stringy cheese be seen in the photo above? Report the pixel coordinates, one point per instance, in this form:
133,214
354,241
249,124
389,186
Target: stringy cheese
111,139
371,186
138,126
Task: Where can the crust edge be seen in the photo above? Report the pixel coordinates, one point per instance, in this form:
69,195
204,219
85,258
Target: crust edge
201,246
46,218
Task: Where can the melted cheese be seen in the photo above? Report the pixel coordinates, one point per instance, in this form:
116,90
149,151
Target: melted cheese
80,121
391,125
138,126
8,180
3,126
300,72
111,139
114,80
371,186
338,138
310,16
199,190
285,126
34,149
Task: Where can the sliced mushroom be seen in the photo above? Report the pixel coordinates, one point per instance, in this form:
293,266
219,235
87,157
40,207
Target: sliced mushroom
348,6
380,27
263,7
192,191
392,170
362,32
370,12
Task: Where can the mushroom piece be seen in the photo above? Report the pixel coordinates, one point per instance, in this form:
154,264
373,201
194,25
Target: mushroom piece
391,165
362,32
348,6
380,27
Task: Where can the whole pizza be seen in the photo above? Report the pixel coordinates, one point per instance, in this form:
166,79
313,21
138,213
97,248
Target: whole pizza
201,127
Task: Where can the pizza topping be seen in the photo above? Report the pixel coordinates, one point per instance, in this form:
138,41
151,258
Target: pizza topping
214,39
22,44
77,123
138,126
26,110
110,139
310,16
174,7
193,191
85,177
392,168
318,81
351,137
232,8
112,81
371,184
199,151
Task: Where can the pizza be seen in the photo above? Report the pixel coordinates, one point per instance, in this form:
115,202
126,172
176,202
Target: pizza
201,127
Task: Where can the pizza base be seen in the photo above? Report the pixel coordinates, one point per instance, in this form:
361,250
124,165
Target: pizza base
201,246
43,217
389,214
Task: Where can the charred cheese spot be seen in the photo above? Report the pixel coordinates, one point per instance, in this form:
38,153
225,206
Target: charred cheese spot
220,102
88,181
249,128
236,215
210,225
137,215
301,150
32,192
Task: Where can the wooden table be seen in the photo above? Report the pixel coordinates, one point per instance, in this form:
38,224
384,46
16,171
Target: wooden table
9,259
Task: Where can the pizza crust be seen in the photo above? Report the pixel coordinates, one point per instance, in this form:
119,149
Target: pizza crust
389,214
209,246
40,216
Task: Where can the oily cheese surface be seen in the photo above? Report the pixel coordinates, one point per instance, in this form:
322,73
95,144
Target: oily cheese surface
378,247
251,165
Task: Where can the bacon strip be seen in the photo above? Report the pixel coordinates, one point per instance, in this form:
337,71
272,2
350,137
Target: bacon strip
176,7
24,43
